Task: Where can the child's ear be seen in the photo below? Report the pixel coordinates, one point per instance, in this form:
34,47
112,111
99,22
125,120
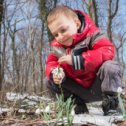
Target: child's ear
78,23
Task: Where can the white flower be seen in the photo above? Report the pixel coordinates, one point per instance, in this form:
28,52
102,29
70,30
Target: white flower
38,111
47,109
72,112
119,90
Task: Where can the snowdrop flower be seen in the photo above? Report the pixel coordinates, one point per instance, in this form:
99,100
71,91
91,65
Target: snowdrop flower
119,90
72,112
47,109
38,111
59,72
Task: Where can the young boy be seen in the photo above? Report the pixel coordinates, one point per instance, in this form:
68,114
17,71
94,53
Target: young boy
85,58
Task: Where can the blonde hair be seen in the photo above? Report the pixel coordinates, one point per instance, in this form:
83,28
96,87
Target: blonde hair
60,10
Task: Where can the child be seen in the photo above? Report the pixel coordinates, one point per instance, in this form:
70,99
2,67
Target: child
85,58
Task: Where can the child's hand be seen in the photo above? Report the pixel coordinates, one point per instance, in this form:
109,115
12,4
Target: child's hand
58,75
65,59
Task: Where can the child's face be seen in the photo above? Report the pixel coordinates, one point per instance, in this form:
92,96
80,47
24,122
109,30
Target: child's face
63,28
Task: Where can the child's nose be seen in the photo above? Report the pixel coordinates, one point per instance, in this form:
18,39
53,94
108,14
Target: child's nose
60,36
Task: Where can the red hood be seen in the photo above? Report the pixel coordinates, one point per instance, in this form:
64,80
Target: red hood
89,29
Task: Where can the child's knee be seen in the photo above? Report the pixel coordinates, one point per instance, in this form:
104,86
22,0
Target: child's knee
110,68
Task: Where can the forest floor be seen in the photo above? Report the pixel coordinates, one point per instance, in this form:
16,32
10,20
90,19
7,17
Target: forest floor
25,110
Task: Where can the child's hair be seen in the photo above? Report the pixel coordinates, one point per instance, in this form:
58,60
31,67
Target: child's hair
60,10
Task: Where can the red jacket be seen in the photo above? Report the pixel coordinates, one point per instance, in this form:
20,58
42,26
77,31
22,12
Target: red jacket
101,50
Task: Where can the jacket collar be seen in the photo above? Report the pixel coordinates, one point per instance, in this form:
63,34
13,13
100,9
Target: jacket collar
88,27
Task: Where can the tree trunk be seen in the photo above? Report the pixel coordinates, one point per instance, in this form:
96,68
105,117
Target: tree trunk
111,15
44,9
1,19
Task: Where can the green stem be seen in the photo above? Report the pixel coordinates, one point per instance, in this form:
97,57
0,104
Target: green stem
121,105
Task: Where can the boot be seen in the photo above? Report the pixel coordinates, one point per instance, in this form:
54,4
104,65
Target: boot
81,106
110,102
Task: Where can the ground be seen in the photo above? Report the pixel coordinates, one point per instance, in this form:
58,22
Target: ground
25,110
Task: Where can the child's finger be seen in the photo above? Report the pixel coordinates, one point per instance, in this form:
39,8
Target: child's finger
61,60
57,81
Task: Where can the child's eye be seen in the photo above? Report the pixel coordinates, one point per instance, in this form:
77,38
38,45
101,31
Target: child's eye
63,30
55,35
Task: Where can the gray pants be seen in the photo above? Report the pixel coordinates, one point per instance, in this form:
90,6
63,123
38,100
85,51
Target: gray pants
111,76
108,79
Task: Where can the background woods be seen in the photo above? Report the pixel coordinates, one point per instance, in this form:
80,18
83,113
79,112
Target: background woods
24,37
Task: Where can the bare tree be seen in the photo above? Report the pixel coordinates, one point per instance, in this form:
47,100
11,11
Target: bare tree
44,8
111,14
11,29
92,9
2,55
